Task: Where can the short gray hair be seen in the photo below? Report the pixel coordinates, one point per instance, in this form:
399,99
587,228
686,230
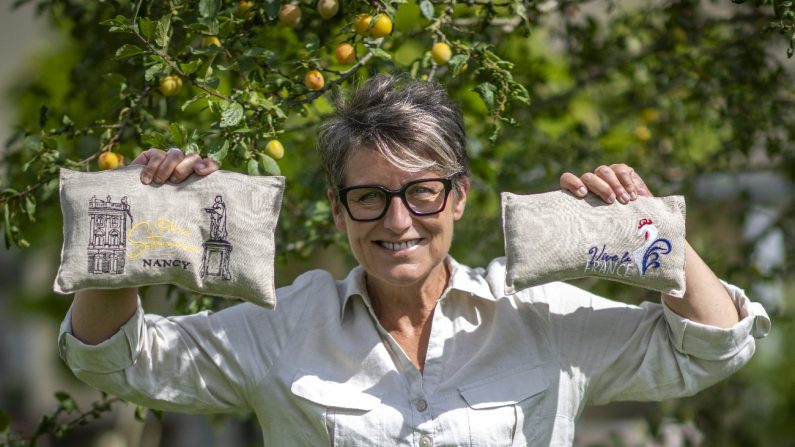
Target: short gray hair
413,124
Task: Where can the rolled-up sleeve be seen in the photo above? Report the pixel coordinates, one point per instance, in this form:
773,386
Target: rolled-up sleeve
713,343
648,352
185,363
112,355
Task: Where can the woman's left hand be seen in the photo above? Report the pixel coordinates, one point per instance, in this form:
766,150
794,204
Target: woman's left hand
617,181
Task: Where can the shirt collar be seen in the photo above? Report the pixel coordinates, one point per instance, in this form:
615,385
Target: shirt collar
462,278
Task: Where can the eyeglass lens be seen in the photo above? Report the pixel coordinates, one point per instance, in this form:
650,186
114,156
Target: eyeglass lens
425,197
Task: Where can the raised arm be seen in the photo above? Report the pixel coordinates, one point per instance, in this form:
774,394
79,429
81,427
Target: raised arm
97,314
706,300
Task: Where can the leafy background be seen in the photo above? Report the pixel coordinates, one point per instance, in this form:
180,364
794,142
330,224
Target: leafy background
696,95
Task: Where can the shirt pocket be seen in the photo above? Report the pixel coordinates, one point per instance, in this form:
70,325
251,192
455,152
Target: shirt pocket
347,412
498,406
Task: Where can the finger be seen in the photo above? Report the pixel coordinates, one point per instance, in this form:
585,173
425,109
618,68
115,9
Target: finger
206,166
624,175
166,169
610,177
598,186
184,168
152,159
643,190
573,184
143,157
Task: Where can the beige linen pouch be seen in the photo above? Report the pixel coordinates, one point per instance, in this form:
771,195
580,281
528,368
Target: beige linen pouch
213,234
555,236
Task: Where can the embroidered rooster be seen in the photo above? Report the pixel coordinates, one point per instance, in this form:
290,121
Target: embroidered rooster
648,255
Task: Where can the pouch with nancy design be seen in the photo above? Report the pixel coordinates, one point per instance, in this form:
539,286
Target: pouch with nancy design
555,236
213,234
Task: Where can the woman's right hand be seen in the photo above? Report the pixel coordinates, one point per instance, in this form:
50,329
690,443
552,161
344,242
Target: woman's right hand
173,165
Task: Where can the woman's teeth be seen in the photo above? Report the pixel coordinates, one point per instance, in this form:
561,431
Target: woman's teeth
400,245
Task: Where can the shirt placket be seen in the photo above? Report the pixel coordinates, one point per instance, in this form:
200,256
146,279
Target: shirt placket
421,414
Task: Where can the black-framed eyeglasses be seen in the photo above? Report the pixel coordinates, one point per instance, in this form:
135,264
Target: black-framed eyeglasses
422,197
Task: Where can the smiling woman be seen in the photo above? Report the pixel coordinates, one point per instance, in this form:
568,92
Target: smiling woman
413,348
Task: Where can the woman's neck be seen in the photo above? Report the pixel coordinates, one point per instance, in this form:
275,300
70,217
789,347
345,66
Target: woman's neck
407,312
415,301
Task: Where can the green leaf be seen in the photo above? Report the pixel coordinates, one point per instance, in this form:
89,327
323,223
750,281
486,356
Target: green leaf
269,165
129,50
519,93
140,413
221,153
32,143
457,61
426,7
5,421
209,8
259,52
163,31
486,91
153,72
190,67
65,401
312,42
381,54
7,226
155,139
30,207
177,134
272,8
117,24
253,167
213,81
232,115
192,101
146,27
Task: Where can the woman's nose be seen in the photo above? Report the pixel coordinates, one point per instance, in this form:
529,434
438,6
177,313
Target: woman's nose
397,217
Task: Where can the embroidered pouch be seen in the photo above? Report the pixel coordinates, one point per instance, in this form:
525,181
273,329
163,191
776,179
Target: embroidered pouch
213,235
555,236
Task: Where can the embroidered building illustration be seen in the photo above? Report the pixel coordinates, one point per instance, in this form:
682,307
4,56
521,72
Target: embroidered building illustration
107,242
215,257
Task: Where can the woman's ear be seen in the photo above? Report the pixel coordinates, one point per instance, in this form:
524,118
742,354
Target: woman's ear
337,212
460,198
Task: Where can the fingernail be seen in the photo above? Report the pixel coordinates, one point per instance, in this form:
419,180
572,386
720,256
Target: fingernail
145,179
173,179
582,191
610,199
624,198
634,195
201,165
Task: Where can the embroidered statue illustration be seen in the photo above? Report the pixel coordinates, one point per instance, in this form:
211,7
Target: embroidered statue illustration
215,256
217,219
107,241
647,256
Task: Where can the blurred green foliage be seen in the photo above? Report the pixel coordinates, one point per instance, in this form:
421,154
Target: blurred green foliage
676,89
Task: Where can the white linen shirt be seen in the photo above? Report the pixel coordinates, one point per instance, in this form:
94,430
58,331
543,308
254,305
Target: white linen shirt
500,370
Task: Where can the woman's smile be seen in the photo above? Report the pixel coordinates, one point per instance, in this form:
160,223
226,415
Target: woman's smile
400,247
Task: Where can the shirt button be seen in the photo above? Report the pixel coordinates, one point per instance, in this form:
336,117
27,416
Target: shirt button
426,441
421,405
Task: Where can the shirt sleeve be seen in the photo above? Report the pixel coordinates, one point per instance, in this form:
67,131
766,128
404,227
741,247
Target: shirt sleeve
203,363
709,342
648,352
177,364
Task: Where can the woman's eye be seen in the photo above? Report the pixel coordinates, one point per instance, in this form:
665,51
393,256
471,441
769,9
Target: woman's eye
422,191
368,197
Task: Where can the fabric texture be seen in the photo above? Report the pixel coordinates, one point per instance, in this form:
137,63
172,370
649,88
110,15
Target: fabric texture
500,370
555,236
213,234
